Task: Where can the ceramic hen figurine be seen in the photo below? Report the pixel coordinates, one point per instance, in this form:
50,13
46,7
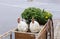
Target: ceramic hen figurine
22,26
34,26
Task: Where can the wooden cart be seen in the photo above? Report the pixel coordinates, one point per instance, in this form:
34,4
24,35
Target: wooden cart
45,33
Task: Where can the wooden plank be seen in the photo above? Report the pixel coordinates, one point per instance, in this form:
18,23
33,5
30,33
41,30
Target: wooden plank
52,30
43,34
24,36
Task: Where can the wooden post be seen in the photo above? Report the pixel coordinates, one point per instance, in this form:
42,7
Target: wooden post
48,30
52,29
11,36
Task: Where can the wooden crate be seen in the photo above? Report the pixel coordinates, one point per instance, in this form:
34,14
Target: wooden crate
40,35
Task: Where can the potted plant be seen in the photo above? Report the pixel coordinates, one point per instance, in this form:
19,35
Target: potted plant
40,15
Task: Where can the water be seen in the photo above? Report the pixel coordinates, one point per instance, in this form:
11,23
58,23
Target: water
11,9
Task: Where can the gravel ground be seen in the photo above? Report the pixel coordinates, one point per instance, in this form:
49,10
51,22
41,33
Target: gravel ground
56,29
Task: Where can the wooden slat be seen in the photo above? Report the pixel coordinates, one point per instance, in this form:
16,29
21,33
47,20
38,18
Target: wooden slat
43,33
52,30
24,36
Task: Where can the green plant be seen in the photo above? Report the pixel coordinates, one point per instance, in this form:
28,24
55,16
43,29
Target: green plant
45,16
40,16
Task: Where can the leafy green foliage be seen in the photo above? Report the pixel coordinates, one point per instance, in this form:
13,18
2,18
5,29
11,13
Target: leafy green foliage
40,16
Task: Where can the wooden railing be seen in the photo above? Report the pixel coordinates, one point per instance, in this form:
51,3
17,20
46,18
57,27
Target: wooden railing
6,34
9,33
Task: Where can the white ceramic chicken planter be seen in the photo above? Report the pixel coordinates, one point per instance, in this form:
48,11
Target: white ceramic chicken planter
22,26
34,26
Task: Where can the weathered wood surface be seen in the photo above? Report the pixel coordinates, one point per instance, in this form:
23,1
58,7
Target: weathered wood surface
24,36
